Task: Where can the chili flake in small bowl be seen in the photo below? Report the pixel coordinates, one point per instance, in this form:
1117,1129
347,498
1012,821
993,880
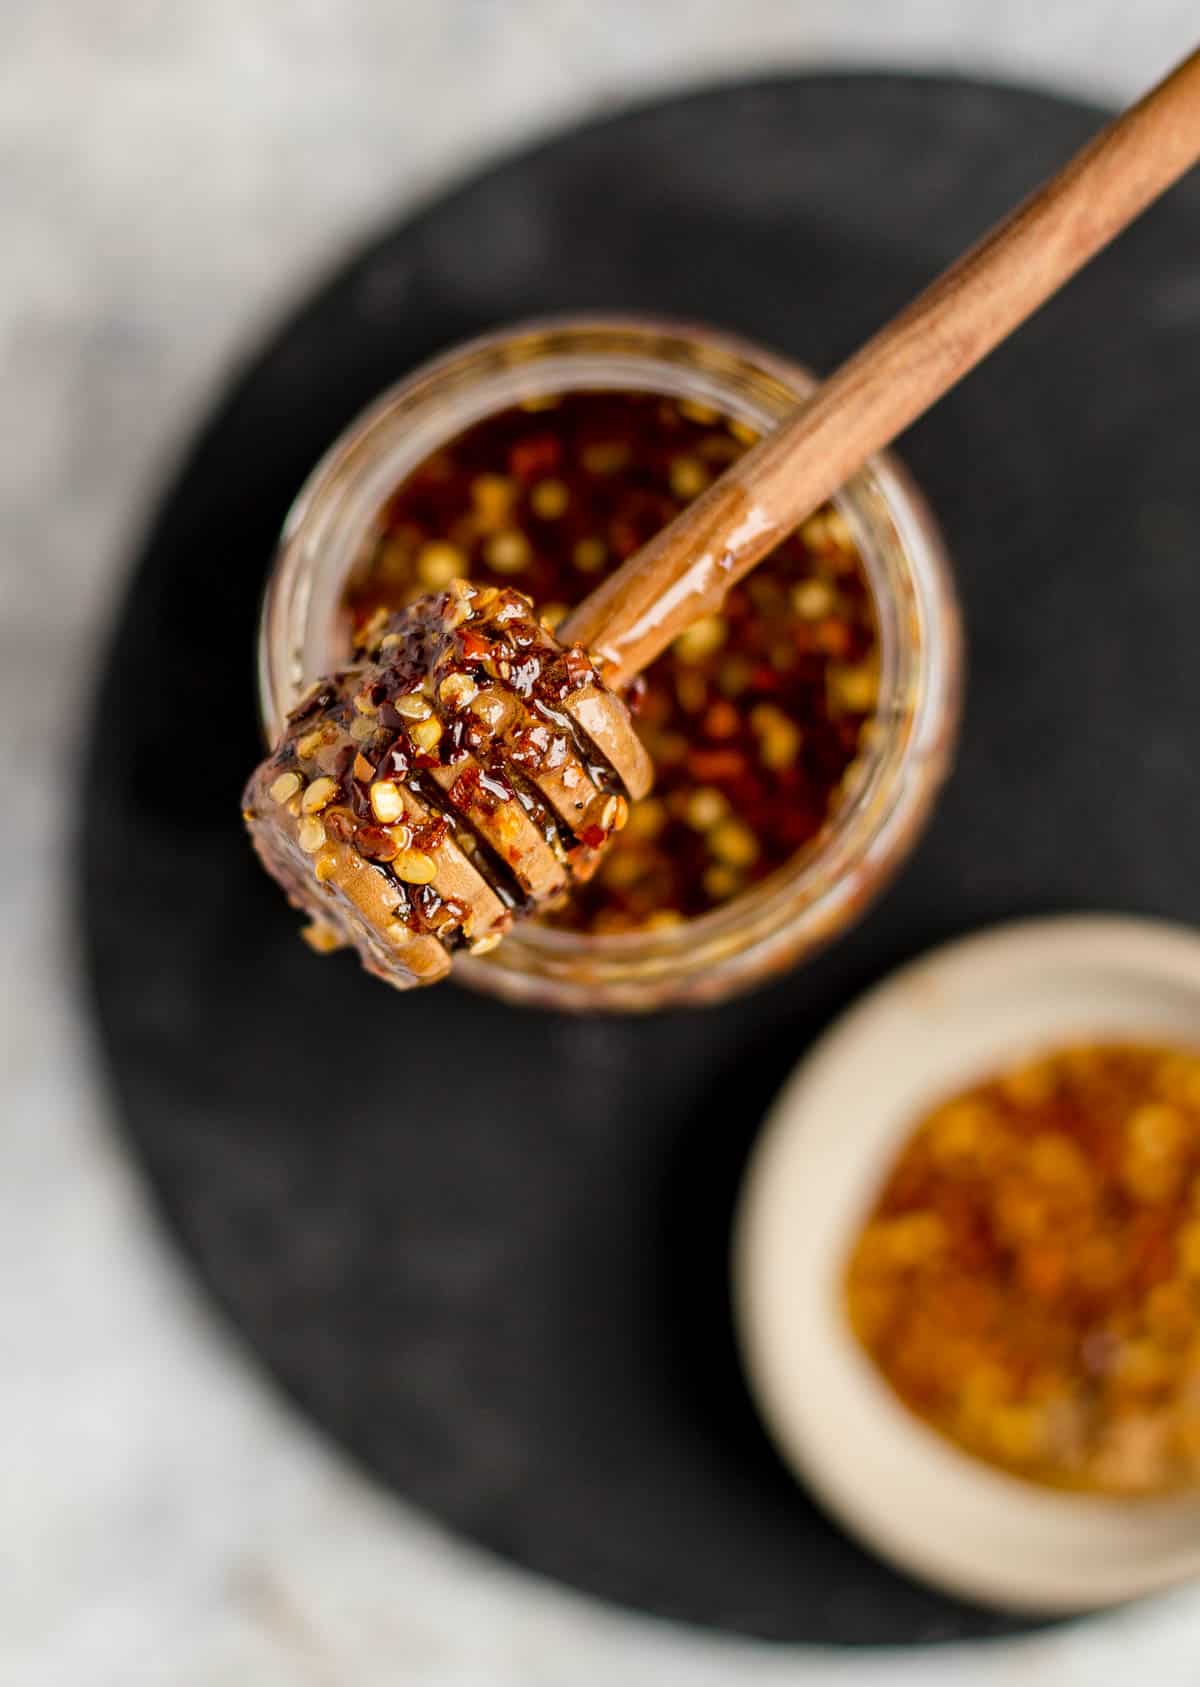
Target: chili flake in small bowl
967,1265
1029,1280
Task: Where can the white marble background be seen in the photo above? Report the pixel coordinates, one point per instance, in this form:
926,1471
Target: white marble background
171,173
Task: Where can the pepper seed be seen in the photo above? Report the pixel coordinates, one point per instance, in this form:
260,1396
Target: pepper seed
285,787
457,690
318,796
387,804
412,706
426,734
415,867
311,836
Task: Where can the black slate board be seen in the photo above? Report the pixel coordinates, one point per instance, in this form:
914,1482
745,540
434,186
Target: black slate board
512,1311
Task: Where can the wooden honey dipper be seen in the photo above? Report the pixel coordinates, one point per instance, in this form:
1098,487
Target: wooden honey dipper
472,765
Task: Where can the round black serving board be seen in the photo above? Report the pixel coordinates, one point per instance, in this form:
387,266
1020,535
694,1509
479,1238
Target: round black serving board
486,1248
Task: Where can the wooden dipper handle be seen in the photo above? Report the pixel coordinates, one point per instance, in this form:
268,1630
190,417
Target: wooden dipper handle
686,570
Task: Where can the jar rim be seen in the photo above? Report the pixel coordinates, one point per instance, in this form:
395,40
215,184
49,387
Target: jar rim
908,574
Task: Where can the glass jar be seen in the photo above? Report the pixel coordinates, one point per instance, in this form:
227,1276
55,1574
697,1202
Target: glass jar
802,905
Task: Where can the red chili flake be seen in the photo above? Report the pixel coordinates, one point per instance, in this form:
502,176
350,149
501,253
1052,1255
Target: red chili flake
473,646
426,905
530,459
523,675
721,720
465,788
398,761
430,835
455,738
568,674
475,734
530,749
713,767
376,844
493,782
624,539
360,803
339,825
833,637
577,666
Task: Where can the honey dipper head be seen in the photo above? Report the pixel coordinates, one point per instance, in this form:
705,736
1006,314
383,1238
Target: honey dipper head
465,772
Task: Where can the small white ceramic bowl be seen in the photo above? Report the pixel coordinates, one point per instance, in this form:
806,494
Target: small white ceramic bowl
949,1019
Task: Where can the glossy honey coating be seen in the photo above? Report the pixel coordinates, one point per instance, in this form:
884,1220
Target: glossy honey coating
467,769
